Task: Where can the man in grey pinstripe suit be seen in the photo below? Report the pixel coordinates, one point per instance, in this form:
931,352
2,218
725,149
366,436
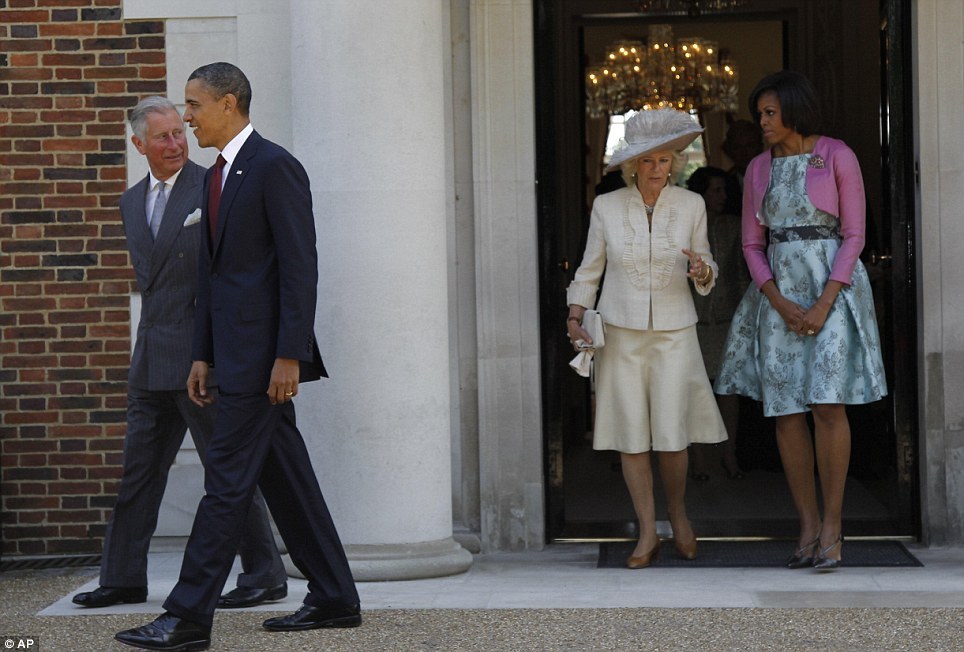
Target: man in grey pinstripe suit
162,220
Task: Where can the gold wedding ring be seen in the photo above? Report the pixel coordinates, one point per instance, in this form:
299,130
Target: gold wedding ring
292,393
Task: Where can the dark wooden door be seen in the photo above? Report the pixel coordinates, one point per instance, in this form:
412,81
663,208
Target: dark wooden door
898,172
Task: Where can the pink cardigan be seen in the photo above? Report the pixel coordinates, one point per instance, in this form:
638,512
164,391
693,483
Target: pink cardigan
836,188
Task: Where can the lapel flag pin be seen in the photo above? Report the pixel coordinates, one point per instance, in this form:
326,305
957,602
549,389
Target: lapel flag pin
238,172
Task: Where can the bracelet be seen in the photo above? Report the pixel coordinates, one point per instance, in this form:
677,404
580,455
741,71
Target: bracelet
575,319
705,276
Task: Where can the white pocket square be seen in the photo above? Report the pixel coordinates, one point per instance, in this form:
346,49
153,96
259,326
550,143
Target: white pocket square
193,218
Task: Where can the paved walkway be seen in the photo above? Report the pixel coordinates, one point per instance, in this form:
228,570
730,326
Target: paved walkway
554,599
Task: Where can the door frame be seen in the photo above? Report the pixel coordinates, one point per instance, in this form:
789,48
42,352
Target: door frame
563,220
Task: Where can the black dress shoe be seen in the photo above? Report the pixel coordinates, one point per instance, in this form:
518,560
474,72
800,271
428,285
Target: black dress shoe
167,632
309,617
106,596
249,596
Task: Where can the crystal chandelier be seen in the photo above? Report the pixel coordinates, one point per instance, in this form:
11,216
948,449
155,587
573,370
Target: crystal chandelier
688,74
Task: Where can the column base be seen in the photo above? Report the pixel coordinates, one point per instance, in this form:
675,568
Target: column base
401,561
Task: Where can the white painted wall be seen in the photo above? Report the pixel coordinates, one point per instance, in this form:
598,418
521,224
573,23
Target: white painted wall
940,127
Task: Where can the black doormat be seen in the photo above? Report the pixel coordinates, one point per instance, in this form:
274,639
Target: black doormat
757,554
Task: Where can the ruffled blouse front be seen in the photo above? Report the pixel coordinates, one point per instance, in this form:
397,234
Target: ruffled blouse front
649,257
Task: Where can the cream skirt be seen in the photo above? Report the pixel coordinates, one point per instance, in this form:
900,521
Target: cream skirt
652,392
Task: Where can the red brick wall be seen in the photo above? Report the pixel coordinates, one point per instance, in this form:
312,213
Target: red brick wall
69,72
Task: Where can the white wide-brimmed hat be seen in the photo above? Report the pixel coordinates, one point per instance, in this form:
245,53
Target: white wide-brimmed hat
654,131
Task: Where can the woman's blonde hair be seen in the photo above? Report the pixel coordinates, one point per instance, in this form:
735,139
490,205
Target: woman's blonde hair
629,167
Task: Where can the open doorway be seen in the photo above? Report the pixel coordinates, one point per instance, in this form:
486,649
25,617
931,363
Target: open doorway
586,495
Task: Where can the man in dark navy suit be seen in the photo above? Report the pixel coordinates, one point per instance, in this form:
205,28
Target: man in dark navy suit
162,221
258,275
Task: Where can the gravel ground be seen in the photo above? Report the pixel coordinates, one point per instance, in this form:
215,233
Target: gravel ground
24,593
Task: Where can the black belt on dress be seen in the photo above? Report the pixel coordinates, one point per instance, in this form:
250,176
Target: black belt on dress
806,232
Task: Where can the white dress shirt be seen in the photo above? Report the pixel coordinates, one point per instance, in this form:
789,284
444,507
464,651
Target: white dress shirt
230,151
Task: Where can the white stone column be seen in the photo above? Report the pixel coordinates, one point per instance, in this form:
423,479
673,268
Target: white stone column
368,125
507,276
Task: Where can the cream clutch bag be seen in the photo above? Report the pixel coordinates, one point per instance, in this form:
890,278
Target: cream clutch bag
592,323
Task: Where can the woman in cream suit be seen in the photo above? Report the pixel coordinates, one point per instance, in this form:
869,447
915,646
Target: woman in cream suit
652,392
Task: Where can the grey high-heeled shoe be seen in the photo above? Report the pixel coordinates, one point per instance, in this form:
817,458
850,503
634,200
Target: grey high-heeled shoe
822,563
804,556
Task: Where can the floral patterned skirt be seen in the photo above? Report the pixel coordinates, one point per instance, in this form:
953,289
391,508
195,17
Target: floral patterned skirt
765,360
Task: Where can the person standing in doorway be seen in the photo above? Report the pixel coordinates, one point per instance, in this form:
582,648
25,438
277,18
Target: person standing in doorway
255,321
652,393
162,221
741,144
804,337
715,310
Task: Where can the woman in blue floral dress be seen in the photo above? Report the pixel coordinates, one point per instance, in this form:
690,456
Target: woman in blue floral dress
805,337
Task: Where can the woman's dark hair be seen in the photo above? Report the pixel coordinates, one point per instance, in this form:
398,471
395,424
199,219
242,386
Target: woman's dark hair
699,181
798,101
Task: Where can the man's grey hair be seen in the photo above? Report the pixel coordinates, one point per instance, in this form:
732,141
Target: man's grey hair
147,106
221,78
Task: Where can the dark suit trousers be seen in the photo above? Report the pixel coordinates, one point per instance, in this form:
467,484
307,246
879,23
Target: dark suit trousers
256,443
156,422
